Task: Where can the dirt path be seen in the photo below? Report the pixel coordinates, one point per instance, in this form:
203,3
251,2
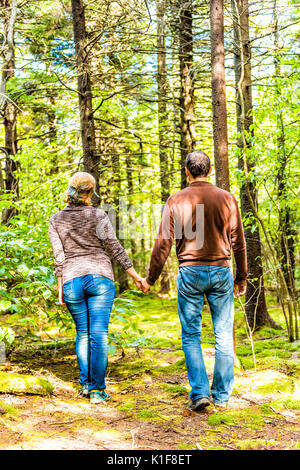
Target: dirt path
148,410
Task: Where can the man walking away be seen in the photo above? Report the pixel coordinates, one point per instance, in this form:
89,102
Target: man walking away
206,224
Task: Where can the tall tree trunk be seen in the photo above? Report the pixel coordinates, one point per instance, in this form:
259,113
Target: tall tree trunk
256,308
130,187
218,85
121,275
8,107
162,86
54,166
219,94
186,100
163,127
286,222
90,157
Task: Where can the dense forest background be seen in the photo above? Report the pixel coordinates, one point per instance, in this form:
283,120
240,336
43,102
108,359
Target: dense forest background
124,90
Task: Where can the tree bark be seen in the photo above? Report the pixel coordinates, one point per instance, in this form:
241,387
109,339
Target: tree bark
88,136
121,275
9,108
186,100
286,222
163,128
256,308
219,94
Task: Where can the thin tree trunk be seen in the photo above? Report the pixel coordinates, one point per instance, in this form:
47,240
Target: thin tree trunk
90,158
256,308
219,94
186,101
8,107
163,128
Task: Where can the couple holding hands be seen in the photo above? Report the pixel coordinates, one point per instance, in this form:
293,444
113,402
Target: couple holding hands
206,225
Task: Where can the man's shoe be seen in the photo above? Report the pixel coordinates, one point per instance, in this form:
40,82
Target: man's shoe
199,404
98,396
220,406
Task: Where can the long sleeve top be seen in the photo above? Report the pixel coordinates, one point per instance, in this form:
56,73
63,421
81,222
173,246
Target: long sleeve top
206,224
83,242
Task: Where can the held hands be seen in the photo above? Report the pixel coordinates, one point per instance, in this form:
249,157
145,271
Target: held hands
140,283
240,288
145,286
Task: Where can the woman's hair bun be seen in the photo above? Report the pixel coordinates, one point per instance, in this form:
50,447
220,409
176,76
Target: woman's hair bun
81,188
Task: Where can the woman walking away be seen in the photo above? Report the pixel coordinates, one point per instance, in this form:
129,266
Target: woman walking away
82,239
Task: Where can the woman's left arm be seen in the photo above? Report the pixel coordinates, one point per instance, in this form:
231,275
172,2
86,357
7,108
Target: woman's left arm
60,291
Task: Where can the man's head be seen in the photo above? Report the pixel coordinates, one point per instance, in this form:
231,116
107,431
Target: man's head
197,165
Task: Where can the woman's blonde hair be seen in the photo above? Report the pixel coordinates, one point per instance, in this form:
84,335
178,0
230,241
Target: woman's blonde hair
81,188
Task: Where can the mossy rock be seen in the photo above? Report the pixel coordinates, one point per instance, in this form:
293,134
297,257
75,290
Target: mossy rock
253,444
265,382
247,417
247,363
24,384
284,403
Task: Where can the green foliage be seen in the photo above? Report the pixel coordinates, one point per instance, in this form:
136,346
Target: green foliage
7,335
128,334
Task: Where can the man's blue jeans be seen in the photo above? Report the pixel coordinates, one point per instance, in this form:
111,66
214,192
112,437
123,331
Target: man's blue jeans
216,282
89,299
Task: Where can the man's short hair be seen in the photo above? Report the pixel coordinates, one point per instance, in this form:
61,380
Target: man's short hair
198,163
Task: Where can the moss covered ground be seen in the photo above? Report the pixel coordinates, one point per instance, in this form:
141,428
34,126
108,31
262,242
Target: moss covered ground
150,391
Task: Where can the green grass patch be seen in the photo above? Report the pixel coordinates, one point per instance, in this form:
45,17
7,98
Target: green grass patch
216,448
146,415
176,390
9,410
127,407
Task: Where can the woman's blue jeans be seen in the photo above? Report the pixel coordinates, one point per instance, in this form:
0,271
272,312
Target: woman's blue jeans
216,282
89,299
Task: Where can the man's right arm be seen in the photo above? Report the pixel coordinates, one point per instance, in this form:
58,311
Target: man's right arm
162,245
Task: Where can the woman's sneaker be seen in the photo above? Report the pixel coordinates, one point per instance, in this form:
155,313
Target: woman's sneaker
98,396
84,392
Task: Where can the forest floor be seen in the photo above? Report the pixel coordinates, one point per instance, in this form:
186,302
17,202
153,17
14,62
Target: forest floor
150,393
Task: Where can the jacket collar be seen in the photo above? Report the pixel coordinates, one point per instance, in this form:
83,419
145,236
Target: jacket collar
201,183
75,207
